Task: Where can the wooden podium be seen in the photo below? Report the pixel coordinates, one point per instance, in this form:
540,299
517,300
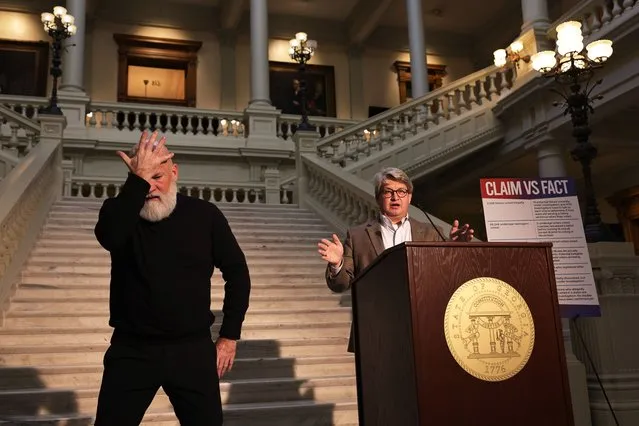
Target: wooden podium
406,372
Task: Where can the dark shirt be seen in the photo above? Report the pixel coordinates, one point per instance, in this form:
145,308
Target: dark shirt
161,271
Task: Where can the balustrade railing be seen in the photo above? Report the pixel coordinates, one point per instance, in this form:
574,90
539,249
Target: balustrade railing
596,15
18,136
217,192
418,116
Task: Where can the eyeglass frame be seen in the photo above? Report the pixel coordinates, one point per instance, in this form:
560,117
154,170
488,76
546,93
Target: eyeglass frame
388,193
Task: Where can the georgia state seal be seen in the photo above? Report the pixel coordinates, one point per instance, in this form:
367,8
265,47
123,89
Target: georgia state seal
489,329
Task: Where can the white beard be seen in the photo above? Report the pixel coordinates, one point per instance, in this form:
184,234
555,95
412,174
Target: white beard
155,210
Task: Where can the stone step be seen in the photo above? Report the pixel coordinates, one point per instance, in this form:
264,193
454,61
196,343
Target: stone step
250,237
90,375
48,278
95,204
325,389
93,354
244,230
315,267
70,291
68,218
252,254
250,331
256,302
103,258
236,226
258,245
292,413
100,318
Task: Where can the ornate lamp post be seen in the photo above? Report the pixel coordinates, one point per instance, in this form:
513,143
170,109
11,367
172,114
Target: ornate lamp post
59,26
301,50
573,67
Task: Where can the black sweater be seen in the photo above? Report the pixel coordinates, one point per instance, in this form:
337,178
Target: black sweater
161,271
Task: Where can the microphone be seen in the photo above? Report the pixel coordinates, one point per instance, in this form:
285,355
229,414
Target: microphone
431,222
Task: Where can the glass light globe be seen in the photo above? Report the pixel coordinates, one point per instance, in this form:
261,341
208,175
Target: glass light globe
543,61
301,36
599,50
59,11
516,46
499,57
569,37
47,17
68,19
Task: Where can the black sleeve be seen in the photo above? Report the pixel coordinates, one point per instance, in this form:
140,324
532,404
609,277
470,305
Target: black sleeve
230,260
119,215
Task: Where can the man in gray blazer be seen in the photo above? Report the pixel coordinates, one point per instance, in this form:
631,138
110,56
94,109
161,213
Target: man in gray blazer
393,191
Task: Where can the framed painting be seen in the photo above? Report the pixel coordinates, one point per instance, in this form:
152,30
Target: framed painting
436,74
23,67
284,79
157,70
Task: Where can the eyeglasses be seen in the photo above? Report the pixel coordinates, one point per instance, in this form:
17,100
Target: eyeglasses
388,193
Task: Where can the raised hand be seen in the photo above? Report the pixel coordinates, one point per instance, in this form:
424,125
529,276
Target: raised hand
331,251
150,154
463,234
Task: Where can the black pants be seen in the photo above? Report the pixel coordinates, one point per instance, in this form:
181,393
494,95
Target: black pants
134,370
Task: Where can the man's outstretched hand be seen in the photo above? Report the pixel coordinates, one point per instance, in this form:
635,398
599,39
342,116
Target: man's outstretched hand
150,154
462,234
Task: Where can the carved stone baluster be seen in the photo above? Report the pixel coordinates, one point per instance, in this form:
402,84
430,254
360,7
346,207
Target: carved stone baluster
491,82
616,8
114,119
472,97
92,190
234,195
240,129
596,22
481,93
13,139
280,133
221,124
462,106
136,122
199,130
396,133
409,123
103,118
419,118
441,111
627,4
189,125
606,15
30,137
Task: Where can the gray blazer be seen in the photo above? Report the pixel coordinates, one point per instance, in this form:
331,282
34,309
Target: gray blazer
362,245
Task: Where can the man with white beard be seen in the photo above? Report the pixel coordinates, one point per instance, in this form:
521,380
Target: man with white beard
164,247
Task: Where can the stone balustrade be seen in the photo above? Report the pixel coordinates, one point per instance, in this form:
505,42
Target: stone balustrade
217,192
188,121
413,120
596,15
18,135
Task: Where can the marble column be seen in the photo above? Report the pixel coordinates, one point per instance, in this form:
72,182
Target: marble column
260,93
228,93
356,79
534,14
418,68
73,60
551,163
535,25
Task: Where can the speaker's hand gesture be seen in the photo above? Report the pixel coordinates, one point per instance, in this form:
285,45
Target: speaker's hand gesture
331,251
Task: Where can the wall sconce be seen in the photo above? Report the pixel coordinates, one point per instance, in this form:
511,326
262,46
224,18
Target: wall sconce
513,54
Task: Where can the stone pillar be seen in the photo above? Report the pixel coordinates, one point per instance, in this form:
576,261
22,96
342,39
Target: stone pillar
73,60
261,116
356,75
259,53
535,25
550,156
418,69
228,93
304,144
272,185
73,100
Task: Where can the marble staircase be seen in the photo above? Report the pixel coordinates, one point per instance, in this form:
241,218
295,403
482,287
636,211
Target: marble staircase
292,367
